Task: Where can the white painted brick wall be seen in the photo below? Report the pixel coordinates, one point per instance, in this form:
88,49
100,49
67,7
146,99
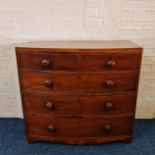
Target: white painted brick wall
25,20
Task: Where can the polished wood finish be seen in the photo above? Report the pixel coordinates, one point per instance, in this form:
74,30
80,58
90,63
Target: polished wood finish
79,92
110,62
106,105
78,82
76,45
54,62
79,126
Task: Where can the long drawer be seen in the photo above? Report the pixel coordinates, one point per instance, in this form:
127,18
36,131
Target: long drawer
79,127
79,104
108,82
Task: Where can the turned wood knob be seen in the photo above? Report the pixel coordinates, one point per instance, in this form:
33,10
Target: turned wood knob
110,83
111,64
51,128
108,106
45,63
48,83
50,105
107,128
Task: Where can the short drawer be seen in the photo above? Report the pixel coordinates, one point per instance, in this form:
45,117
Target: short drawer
110,62
78,127
39,82
79,104
49,62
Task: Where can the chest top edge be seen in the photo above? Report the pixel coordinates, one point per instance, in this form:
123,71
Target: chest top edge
79,45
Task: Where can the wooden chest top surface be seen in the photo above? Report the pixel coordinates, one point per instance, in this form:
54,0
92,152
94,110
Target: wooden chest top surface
87,44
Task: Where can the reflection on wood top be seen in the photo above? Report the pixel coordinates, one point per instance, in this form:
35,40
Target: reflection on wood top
81,44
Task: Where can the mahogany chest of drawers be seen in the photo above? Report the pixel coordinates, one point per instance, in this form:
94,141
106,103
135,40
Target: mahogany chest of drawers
79,92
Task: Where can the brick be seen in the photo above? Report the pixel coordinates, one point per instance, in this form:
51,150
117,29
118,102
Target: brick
144,112
146,67
135,4
132,33
149,43
145,25
137,15
7,23
94,3
132,25
148,60
94,22
149,75
91,12
127,15
149,52
145,94
151,4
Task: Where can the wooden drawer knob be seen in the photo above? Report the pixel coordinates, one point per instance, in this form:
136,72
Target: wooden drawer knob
108,106
51,128
45,63
110,83
107,128
48,83
111,64
50,105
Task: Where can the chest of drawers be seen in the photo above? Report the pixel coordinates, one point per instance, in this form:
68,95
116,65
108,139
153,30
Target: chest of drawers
79,92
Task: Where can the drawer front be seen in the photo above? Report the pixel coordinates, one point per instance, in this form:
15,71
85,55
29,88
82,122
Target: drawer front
78,127
110,62
72,82
50,62
79,105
